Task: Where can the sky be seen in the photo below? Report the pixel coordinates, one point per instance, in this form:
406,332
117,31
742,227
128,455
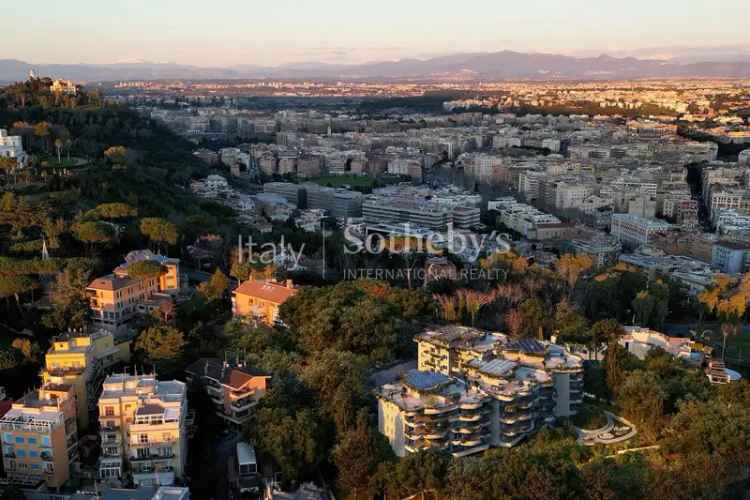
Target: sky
275,32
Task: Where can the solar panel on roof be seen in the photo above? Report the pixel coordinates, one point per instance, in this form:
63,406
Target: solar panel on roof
425,380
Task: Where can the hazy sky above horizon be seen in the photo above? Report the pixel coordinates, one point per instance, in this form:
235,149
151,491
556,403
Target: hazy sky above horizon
272,32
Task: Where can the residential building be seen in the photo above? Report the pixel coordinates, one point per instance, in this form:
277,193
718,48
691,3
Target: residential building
634,231
116,298
233,387
81,360
40,437
63,87
474,389
291,192
143,430
11,146
340,203
603,250
731,257
260,299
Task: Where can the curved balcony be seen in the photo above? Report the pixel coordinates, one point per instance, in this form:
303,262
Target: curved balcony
469,418
471,405
439,410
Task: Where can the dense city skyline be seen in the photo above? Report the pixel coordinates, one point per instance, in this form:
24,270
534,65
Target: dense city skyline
334,32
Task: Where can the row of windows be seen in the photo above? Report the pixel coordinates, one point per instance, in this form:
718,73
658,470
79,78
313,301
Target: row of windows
9,438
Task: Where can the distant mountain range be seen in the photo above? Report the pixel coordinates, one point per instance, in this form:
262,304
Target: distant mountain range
471,66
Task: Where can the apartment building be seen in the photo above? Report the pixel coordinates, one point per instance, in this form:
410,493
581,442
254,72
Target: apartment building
260,299
725,198
40,437
731,257
11,146
603,250
431,410
340,203
291,192
474,389
378,209
116,298
81,359
633,231
235,389
531,222
143,430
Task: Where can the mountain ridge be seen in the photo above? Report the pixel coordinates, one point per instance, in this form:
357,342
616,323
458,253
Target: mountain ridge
501,65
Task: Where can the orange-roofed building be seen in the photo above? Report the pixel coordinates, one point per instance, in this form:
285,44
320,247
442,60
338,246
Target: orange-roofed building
261,299
234,388
116,298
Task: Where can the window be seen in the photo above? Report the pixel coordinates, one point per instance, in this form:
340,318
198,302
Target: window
143,439
166,437
33,454
21,453
19,439
109,411
45,441
32,440
7,438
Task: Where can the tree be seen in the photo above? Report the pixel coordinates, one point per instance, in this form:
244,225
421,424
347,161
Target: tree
159,231
345,317
641,399
145,269
570,325
8,202
93,232
423,473
617,363
533,319
116,154
339,379
357,455
215,288
161,343
287,429
643,306
15,286
42,131
113,211
70,305
8,359
58,148
604,331
26,348
570,267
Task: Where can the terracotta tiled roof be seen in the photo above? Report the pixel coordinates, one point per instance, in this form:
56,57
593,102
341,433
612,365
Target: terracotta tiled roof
266,290
109,282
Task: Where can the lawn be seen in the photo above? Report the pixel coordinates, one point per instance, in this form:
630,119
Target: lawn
345,180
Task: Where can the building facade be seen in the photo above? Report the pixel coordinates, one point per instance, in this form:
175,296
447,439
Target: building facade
40,437
142,424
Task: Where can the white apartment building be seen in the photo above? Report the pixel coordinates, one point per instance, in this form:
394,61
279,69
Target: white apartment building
570,196
738,199
634,231
143,429
11,146
474,390
521,217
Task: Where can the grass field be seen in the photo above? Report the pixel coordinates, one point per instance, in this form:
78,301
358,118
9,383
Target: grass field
345,180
